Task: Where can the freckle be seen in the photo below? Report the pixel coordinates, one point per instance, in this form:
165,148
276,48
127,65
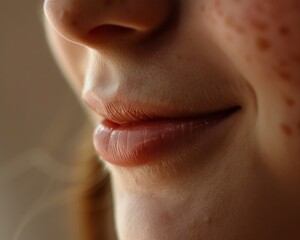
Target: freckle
179,57
286,129
217,3
284,31
296,58
283,75
239,29
262,44
74,23
229,21
289,101
208,220
259,8
259,25
283,63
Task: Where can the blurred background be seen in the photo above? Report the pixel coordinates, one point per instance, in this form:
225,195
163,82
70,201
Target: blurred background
39,118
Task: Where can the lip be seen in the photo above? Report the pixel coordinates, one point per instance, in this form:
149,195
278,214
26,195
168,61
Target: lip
122,110
137,143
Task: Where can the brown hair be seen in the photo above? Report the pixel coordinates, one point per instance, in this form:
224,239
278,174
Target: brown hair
95,206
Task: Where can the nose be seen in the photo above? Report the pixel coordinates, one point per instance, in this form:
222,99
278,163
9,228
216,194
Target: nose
92,22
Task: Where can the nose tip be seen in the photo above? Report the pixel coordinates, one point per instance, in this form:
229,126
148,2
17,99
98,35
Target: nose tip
87,22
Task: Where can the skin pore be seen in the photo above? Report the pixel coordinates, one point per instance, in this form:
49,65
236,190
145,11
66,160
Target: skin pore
197,57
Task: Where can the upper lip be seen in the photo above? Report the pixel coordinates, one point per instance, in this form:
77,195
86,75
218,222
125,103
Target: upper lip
125,112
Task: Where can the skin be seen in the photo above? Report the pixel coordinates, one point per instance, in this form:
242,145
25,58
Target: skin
205,56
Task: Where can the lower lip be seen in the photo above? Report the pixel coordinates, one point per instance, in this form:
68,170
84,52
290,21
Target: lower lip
144,142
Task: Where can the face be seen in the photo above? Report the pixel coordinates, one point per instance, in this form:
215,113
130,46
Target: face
196,106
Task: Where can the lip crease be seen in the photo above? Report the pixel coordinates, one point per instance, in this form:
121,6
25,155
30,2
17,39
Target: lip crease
130,140
122,111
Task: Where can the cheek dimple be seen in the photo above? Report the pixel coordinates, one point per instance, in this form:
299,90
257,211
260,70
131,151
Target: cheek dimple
286,129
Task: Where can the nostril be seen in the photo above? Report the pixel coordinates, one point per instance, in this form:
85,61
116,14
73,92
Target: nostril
110,33
92,22
109,29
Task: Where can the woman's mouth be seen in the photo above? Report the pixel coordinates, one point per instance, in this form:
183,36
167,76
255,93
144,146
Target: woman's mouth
142,142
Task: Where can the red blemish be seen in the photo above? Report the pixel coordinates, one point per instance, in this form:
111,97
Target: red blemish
289,101
262,44
218,7
284,31
286,129
259,25
298,125
229,21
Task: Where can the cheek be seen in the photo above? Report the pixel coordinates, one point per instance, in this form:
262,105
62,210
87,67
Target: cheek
262,39
259,35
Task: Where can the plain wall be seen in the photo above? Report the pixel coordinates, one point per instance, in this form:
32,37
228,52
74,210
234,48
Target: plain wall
38,117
